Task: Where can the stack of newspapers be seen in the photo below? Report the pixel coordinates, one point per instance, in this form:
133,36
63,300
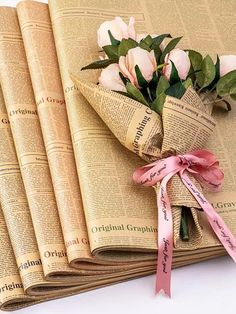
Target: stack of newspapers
71,218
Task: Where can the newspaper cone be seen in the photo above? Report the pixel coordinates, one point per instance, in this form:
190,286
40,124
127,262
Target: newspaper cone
187,126
136,126
140,130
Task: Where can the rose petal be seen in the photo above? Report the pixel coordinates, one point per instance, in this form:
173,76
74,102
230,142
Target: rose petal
109,78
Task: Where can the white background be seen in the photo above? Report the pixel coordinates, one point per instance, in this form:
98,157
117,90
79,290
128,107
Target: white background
204,287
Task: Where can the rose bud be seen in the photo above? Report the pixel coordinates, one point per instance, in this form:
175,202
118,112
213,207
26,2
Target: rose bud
110,78
181,61
227,64
119,30
145,60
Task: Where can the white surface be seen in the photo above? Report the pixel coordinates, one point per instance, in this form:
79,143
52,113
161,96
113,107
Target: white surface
207,286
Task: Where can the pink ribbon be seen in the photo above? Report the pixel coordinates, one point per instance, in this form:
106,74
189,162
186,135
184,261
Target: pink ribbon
205,168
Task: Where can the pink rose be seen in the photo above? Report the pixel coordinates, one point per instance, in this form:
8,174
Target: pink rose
118,28
227,64
110,78
181,61
141,57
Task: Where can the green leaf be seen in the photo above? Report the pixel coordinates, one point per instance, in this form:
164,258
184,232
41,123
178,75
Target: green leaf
188,83
114,41
217,67
232,95
184,228
233,89
191,73
126,45
158,40
111,51
228,105
157,53
100,64
195,59
226,84
153,84
158,104
144,45
141,80
136,94
160,67
174,75
147,40
177,90
162,86
170,46
124,79
156,46
150,94
207,73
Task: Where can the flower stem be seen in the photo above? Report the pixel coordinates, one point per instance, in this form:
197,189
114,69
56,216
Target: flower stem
219,99
184,228
227,104
208,92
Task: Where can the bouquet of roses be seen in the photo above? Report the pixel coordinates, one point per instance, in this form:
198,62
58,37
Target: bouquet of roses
157,100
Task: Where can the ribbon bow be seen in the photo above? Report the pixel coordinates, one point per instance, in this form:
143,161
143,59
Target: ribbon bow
204,166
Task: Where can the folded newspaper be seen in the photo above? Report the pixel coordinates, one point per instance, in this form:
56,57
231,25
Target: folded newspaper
72,218
157,100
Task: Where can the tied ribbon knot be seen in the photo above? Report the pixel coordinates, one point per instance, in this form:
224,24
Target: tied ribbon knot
204,166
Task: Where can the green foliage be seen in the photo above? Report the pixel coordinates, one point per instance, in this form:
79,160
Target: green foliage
174,75
146,43
126,45
159,39
124,79
100,64
157,53
195,59
136,94
207,73
158,104
177,90
141,80
170,46
114,41
226,85
203,74
162,86
156,46
217,67
112,52
148,40
187,83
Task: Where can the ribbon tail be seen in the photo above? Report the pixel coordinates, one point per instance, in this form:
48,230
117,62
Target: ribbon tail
165,238
222,231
